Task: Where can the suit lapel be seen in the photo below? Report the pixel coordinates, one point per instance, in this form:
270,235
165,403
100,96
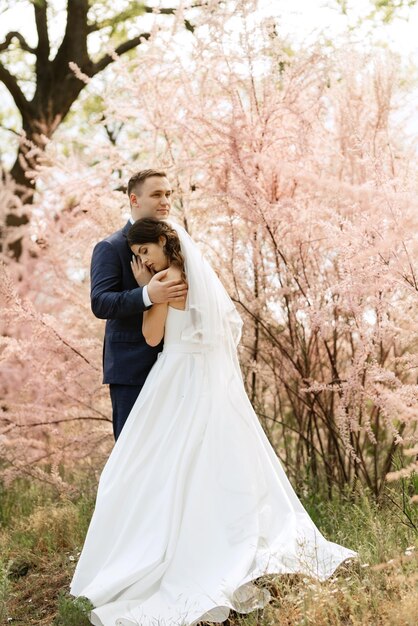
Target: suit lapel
127,255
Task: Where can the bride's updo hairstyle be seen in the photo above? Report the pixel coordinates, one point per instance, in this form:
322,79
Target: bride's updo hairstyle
149,230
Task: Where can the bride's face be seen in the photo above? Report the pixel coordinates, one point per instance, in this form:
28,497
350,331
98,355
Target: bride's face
152,255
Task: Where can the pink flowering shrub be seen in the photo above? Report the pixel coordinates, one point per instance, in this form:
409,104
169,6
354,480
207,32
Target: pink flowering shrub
294,174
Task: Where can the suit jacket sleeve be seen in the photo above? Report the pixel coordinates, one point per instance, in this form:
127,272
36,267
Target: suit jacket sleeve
107,300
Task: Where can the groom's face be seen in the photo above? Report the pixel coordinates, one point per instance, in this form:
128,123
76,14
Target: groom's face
152,198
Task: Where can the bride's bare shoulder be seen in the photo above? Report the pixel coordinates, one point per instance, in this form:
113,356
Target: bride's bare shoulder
174,273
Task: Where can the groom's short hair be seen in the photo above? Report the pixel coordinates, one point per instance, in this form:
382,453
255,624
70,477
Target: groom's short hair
137,179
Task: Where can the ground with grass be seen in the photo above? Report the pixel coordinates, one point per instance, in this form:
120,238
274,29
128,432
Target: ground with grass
41,535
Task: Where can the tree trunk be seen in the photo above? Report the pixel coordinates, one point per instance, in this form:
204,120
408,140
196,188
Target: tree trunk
57,88
49,108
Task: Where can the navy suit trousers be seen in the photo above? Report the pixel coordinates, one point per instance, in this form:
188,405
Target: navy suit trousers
123,398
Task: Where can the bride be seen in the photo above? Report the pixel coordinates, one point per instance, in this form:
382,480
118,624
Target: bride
193,504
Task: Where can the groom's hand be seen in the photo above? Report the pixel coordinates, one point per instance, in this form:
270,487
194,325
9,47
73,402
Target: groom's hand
161,292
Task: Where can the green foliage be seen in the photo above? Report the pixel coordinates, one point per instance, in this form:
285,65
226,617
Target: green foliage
379,531
388,10
343,4
384,10
72,611
20,500
4,591
103,14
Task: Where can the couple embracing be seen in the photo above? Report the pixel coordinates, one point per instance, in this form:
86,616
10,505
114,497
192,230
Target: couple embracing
193,505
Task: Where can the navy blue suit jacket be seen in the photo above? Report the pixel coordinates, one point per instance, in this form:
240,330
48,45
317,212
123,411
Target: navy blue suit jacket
116,297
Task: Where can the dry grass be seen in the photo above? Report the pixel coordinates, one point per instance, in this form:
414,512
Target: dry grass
41,535
382,595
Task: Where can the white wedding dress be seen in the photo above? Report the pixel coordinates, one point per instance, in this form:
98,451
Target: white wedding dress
193,503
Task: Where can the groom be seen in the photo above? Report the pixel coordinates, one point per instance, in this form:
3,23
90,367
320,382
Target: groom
117,298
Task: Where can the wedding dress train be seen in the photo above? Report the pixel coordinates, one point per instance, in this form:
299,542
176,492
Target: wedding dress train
193,503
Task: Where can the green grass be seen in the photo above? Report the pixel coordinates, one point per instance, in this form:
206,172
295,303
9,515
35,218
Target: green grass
72,611
4,591
41,535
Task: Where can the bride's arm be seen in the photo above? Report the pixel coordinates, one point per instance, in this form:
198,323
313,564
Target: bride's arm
153,322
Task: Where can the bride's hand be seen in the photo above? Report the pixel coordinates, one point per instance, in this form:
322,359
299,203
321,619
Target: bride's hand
142,274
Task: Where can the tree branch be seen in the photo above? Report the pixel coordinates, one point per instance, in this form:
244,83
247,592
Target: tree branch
17,94
169,11
124,47
73,46
64,419
128,14
10,130
23,43
43,48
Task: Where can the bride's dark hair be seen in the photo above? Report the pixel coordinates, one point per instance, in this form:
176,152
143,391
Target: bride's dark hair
149,230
